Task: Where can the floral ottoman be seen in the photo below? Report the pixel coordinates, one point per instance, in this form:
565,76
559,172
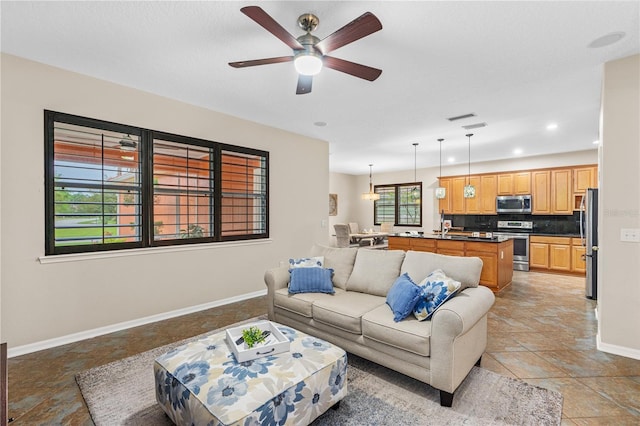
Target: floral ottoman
200,383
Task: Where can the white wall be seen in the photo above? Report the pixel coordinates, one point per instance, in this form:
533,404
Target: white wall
47,301
619,207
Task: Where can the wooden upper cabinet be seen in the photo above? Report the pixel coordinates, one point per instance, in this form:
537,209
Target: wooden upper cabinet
522,183
488,193
541,192
444,204
518,183
474,205
457,195
561,194
584,177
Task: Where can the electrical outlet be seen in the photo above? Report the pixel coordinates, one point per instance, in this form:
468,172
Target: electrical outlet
631,235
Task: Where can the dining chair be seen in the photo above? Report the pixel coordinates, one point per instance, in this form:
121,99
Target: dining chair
386,227
342,234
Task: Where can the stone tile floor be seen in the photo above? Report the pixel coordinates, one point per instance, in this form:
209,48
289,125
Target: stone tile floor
541,329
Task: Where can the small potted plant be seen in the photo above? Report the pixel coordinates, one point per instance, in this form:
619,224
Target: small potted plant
253,336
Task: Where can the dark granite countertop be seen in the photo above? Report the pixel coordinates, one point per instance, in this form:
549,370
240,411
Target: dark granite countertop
453,237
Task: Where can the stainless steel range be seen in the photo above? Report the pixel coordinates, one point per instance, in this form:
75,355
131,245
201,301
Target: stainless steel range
519,232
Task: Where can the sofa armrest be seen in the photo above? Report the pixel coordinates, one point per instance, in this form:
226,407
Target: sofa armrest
459,336
275,279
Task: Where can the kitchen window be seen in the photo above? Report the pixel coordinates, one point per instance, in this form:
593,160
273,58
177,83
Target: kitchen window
398,204
111,186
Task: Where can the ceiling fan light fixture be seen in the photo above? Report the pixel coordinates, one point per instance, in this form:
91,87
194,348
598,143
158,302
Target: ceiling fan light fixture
308,63
128,144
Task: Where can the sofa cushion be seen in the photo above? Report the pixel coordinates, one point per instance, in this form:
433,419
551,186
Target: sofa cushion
375,271
307,262
409,335
301,303
419,264
403,296
311,280
436,289
345,309
339,259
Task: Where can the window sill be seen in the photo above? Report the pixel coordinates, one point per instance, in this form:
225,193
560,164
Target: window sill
76,257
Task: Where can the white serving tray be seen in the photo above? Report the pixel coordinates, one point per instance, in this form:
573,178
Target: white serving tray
275,343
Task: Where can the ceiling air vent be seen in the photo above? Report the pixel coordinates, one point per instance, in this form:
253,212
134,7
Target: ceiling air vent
474,126
460,117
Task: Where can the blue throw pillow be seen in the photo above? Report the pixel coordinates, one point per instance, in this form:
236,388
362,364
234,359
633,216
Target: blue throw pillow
436,289
402,297
311,280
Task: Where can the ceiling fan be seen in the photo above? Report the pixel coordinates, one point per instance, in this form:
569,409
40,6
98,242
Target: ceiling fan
309,52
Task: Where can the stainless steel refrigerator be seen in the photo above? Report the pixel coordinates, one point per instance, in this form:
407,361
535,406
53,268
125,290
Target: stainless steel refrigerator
589,235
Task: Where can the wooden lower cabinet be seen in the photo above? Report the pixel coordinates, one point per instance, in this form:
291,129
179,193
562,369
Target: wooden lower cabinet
556,254
497,258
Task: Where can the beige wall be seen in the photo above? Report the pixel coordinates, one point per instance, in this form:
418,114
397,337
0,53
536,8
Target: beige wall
619,207
47,301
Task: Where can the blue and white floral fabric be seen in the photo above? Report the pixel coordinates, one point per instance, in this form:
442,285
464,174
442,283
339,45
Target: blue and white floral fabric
436,289
201,383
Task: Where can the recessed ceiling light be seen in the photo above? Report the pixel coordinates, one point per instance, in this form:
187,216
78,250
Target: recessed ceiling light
596,142
552,126
517,151
607,39
320,123
451,159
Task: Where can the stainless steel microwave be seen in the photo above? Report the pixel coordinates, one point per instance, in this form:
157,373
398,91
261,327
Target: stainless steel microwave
513,204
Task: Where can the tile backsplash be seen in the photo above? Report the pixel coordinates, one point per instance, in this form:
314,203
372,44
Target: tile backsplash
552,224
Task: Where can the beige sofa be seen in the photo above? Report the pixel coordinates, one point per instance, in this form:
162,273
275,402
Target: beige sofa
440,351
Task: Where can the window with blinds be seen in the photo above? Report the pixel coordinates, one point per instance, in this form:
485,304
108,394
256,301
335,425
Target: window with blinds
111,186
398,204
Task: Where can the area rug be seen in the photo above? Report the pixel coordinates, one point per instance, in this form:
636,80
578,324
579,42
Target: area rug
122,393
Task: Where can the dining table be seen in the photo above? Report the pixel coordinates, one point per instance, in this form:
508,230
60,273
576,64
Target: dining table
374,236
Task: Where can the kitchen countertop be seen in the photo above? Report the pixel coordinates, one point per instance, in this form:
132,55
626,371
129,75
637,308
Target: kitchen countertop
495,239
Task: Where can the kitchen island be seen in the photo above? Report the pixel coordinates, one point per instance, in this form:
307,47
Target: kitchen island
496,253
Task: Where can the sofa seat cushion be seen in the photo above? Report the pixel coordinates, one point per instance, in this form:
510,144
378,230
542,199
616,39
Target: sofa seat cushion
409,334
345,309
300,303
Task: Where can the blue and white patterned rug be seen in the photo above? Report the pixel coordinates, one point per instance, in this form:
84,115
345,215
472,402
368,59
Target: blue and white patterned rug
122,393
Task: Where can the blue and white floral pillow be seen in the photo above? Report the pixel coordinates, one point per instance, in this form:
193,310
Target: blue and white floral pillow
307,262
437,288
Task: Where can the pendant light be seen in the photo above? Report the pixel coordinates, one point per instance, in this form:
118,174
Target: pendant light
372,196
469,190
415,192
441,191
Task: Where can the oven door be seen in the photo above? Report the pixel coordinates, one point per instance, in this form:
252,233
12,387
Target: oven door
520,250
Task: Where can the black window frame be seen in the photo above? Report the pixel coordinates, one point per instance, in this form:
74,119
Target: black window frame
146,138
396,188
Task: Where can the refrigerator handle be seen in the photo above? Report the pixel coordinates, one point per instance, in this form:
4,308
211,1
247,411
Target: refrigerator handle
582,230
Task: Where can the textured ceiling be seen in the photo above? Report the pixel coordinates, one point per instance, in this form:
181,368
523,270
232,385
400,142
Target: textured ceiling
517,65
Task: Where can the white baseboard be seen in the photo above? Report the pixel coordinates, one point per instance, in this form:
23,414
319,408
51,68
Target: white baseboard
88,334
617,350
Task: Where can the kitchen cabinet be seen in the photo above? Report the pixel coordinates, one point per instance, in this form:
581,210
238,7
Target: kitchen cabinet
584,177
555,254
488,193
474,205
551,191
517,183
496,255
578,262
444,204
561,194
541,192
457,195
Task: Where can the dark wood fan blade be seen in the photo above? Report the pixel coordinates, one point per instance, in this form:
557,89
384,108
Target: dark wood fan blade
266,61
360,27
304,84
269,24
356,70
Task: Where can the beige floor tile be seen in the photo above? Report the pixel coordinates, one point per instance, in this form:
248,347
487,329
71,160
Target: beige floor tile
527,365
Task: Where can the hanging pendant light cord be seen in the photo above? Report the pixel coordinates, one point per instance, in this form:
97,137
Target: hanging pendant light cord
415,147
440,140
469,170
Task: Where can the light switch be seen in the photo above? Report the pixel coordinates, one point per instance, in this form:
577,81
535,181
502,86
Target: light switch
323,223
631,235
